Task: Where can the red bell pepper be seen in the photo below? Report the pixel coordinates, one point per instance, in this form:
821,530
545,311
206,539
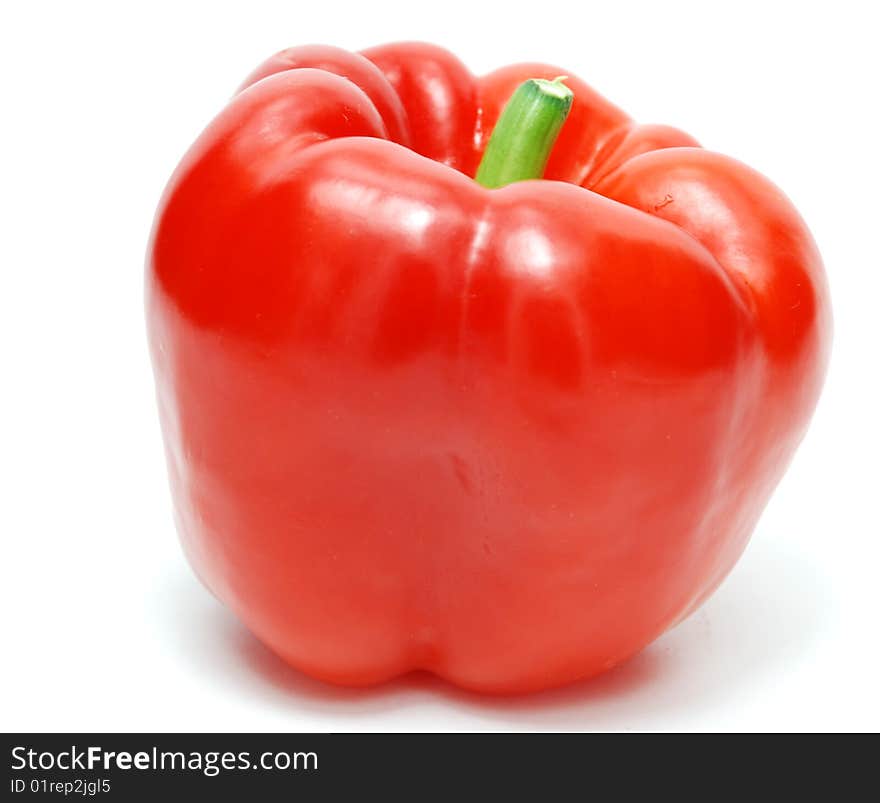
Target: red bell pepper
508,436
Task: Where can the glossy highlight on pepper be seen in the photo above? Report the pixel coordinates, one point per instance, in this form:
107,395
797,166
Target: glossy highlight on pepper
508,436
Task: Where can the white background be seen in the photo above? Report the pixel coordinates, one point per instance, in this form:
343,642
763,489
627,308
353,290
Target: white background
105,627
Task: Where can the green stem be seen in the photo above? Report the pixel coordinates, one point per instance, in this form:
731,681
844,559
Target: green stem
525,133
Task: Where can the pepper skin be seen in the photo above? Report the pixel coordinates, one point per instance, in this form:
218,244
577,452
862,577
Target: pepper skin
506,436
